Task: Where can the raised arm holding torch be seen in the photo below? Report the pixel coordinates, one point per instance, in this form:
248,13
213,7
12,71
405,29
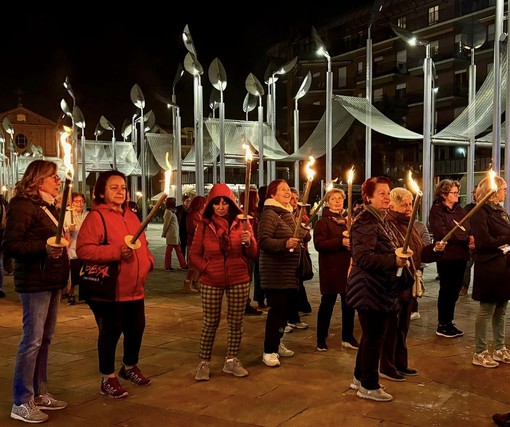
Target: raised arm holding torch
478,205
310,173
132,241
404,251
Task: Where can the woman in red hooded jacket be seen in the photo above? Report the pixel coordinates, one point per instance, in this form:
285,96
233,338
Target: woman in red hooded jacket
221,251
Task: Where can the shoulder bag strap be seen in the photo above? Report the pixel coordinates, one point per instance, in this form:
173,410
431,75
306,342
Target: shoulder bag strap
105,240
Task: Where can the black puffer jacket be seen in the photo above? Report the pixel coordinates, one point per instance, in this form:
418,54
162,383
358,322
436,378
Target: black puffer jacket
27,230
371,284
277,265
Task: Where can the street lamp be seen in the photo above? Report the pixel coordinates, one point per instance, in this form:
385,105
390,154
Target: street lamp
271,78
411,39
176,128
138,100
79,120
321,50
305,86
376,8
69,89
192,66
255,88
106,124
218,78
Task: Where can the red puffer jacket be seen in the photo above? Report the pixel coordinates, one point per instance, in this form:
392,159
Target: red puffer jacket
217,268
133,271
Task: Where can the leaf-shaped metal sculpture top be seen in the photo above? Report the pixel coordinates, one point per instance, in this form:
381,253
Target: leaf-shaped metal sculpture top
217,75
188,41
192,66
65,108
178,75
137,97
305,86
376,8
149,119
214,98
249,103
98,130
253,85
6,123
165,100
269,74
288,66
105,123
78,118
473,34
126,128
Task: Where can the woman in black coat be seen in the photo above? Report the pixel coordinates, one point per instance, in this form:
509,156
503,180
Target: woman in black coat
334,259
490,226
444,212
372,287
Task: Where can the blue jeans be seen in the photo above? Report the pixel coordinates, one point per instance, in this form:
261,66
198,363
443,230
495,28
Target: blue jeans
494,312
39,319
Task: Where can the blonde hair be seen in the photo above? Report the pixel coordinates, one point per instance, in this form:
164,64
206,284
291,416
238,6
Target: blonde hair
333,191
484,188
398,195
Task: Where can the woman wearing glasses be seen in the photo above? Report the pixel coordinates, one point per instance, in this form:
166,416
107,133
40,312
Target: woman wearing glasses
126,315
41,272
444,212
72,223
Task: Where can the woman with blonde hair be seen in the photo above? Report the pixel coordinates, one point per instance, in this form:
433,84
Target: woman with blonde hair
490,226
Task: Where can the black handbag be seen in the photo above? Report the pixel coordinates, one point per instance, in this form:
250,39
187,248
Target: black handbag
98,281
305,267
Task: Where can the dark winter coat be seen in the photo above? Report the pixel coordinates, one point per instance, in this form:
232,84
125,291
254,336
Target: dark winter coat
217,268
334,257
26,233
372,284
277,265
490,226
441,221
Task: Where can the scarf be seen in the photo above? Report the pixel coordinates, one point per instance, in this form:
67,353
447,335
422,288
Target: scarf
222,231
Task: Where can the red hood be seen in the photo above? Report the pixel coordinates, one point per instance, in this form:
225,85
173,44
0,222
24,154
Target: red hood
221,190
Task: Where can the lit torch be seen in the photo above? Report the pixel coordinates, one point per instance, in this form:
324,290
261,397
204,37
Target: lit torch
58,240
350,178
244,216
310,174
478,205
132,241
315,211
404,251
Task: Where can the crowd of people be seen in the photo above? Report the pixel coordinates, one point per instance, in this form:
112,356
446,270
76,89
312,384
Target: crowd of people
229,255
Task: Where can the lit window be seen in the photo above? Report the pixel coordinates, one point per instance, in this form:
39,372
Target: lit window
433,15
402,22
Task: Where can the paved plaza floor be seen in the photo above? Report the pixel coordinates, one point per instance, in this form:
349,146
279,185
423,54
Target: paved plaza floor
309,389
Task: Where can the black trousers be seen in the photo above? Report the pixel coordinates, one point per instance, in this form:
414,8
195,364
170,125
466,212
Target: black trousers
325,314
276,318
373,326
451,279
114,319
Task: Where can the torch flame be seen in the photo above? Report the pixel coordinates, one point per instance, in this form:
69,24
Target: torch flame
309,171
249,156
350,175
331,184
66,148
492,174
168,174
412,183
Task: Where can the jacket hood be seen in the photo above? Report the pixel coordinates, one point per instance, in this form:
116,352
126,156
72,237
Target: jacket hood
221,190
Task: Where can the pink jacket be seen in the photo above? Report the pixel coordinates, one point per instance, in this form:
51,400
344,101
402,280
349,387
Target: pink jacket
216,268
133,272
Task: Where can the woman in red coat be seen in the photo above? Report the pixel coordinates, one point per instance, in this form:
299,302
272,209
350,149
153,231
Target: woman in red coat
334,259
221,251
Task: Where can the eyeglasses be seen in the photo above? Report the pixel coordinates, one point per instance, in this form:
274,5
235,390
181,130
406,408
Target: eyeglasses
55,177
455,193
116,188
78,202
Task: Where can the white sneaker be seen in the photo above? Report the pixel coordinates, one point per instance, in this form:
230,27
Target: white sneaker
288,329
271,359
355,384
484,359
28,413
298,325
378,395
415,315
284,351
502,355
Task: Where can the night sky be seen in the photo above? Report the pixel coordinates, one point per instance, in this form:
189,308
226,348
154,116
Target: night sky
105,53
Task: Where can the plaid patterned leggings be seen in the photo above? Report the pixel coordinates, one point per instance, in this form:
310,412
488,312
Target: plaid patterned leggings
212,298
